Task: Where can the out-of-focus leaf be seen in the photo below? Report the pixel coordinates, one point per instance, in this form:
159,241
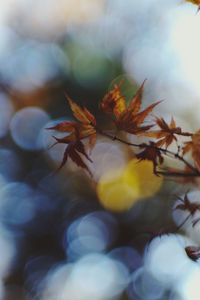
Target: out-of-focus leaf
196,2
193,146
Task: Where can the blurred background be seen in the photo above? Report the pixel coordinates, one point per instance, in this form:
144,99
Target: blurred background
68,236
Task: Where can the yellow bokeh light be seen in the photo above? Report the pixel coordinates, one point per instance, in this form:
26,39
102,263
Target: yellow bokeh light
119,190
149,183
115,193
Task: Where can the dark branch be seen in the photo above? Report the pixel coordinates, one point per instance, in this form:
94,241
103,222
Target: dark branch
194,171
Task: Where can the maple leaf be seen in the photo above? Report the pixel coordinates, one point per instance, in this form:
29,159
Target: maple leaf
191,207
113,102
193,146
81,114
152,153
166,133
127,118
83,128
186,204
73,151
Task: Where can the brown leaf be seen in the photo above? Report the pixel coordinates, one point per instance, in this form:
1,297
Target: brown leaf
72,151
152,153
83,128
65,126
85,125
186,204
113,102
81,114
135,104
127,118
140,117
193,146
166,134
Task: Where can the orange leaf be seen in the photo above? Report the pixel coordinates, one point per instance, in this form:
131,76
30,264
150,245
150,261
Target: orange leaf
81,114
166,133
65,126
136,102
132,123
140,117
193,146
127,118
113,102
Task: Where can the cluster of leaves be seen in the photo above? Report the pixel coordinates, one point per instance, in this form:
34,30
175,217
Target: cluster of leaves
130,119
76,131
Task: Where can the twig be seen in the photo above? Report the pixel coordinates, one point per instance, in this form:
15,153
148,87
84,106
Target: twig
194,173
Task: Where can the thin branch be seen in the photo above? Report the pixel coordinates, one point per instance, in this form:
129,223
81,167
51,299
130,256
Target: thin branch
115,138
179,157
195,172
184,134
183,222
177,174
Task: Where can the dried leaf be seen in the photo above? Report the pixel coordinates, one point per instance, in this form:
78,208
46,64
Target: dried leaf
152,153
113,102
193,146
83,128
72,151
81,114
135,104
127,118
186,204
65,126
166,134
133,123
